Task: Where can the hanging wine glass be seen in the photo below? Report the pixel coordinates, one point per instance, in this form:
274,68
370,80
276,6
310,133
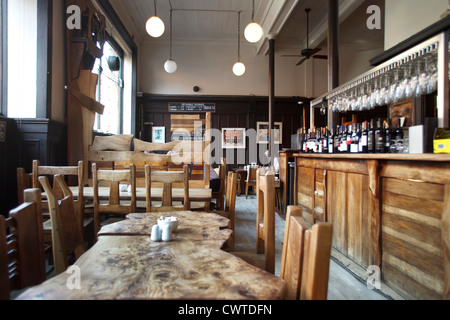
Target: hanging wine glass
423,76
432,72
399,87
407,86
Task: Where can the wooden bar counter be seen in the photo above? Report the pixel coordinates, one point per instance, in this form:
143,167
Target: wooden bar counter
387,210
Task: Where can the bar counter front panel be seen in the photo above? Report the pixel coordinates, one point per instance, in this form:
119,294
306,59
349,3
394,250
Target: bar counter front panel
392,211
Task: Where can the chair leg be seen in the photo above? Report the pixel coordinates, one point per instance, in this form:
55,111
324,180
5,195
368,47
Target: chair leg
246,191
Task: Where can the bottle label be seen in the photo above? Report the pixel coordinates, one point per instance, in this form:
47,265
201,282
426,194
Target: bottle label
364,141
354,148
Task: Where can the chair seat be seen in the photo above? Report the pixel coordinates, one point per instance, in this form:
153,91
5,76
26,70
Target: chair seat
48,223
253,258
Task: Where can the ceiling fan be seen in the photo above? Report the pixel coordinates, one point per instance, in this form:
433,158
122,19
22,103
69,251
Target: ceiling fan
308,53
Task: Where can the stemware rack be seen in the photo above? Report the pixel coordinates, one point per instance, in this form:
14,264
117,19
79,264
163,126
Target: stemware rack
422,69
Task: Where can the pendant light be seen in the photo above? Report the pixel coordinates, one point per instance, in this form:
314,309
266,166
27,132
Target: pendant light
253,32
170,66
155,26
239,67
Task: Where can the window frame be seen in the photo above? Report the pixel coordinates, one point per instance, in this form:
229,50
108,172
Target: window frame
113,43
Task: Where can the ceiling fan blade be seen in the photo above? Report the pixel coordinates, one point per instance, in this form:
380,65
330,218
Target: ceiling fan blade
290,56
314,51
301,62
320,57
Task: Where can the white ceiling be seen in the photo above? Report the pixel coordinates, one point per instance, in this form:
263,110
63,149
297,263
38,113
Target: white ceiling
283,19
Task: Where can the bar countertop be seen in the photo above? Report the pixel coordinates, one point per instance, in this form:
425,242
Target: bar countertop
379,156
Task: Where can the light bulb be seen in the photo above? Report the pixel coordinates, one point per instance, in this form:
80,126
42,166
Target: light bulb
253,32
170,66
155,27
239,69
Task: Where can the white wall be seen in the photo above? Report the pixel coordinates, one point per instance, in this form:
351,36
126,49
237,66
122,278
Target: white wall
404,18
209,66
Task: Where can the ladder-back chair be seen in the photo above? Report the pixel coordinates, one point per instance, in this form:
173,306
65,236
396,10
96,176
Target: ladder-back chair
67,224
22,258
167,178
306,256
113,205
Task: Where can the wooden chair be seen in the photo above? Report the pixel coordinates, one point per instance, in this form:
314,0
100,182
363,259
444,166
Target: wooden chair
113,205
251,179
264,257
22,261
265,217
305,261
168,178
24,182
66,223
230,204
76,176
219,195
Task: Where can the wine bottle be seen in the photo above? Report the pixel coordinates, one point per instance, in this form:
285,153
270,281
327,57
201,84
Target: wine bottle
325,135
331,141
371,138
398,134
354,148
379,138
387,137
364,138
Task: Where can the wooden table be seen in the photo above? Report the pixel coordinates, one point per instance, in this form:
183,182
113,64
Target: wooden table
126,264
195,194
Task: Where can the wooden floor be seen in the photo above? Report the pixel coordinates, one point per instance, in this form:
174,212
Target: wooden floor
342,284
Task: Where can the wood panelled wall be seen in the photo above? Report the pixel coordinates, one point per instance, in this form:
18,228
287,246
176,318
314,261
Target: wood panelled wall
231,112
27,140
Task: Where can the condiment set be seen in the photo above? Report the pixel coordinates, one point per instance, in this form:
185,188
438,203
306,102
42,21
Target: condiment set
163,230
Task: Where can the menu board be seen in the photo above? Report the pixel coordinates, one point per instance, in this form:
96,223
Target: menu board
191,107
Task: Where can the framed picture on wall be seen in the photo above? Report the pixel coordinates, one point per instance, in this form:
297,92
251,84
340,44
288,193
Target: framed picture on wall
262,132
159,134
233,138
2,131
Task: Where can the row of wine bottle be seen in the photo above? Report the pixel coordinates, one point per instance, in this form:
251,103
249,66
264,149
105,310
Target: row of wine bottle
357,138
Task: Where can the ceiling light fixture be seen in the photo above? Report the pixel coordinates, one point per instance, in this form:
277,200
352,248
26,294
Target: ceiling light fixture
155,26
239,67
253,32
170,66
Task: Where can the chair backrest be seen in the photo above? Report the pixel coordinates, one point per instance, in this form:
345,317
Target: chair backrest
230,204
167,178
114,204
24,182
67,224
251,173
22,257
265,217
306,256
69,172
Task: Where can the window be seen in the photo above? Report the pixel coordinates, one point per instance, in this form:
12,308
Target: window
21,57
110,89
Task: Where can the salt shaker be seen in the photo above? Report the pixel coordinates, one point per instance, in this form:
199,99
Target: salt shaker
156,233
166,233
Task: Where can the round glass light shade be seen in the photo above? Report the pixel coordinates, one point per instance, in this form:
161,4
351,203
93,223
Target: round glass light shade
155,27
253,32
170,66
239,69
